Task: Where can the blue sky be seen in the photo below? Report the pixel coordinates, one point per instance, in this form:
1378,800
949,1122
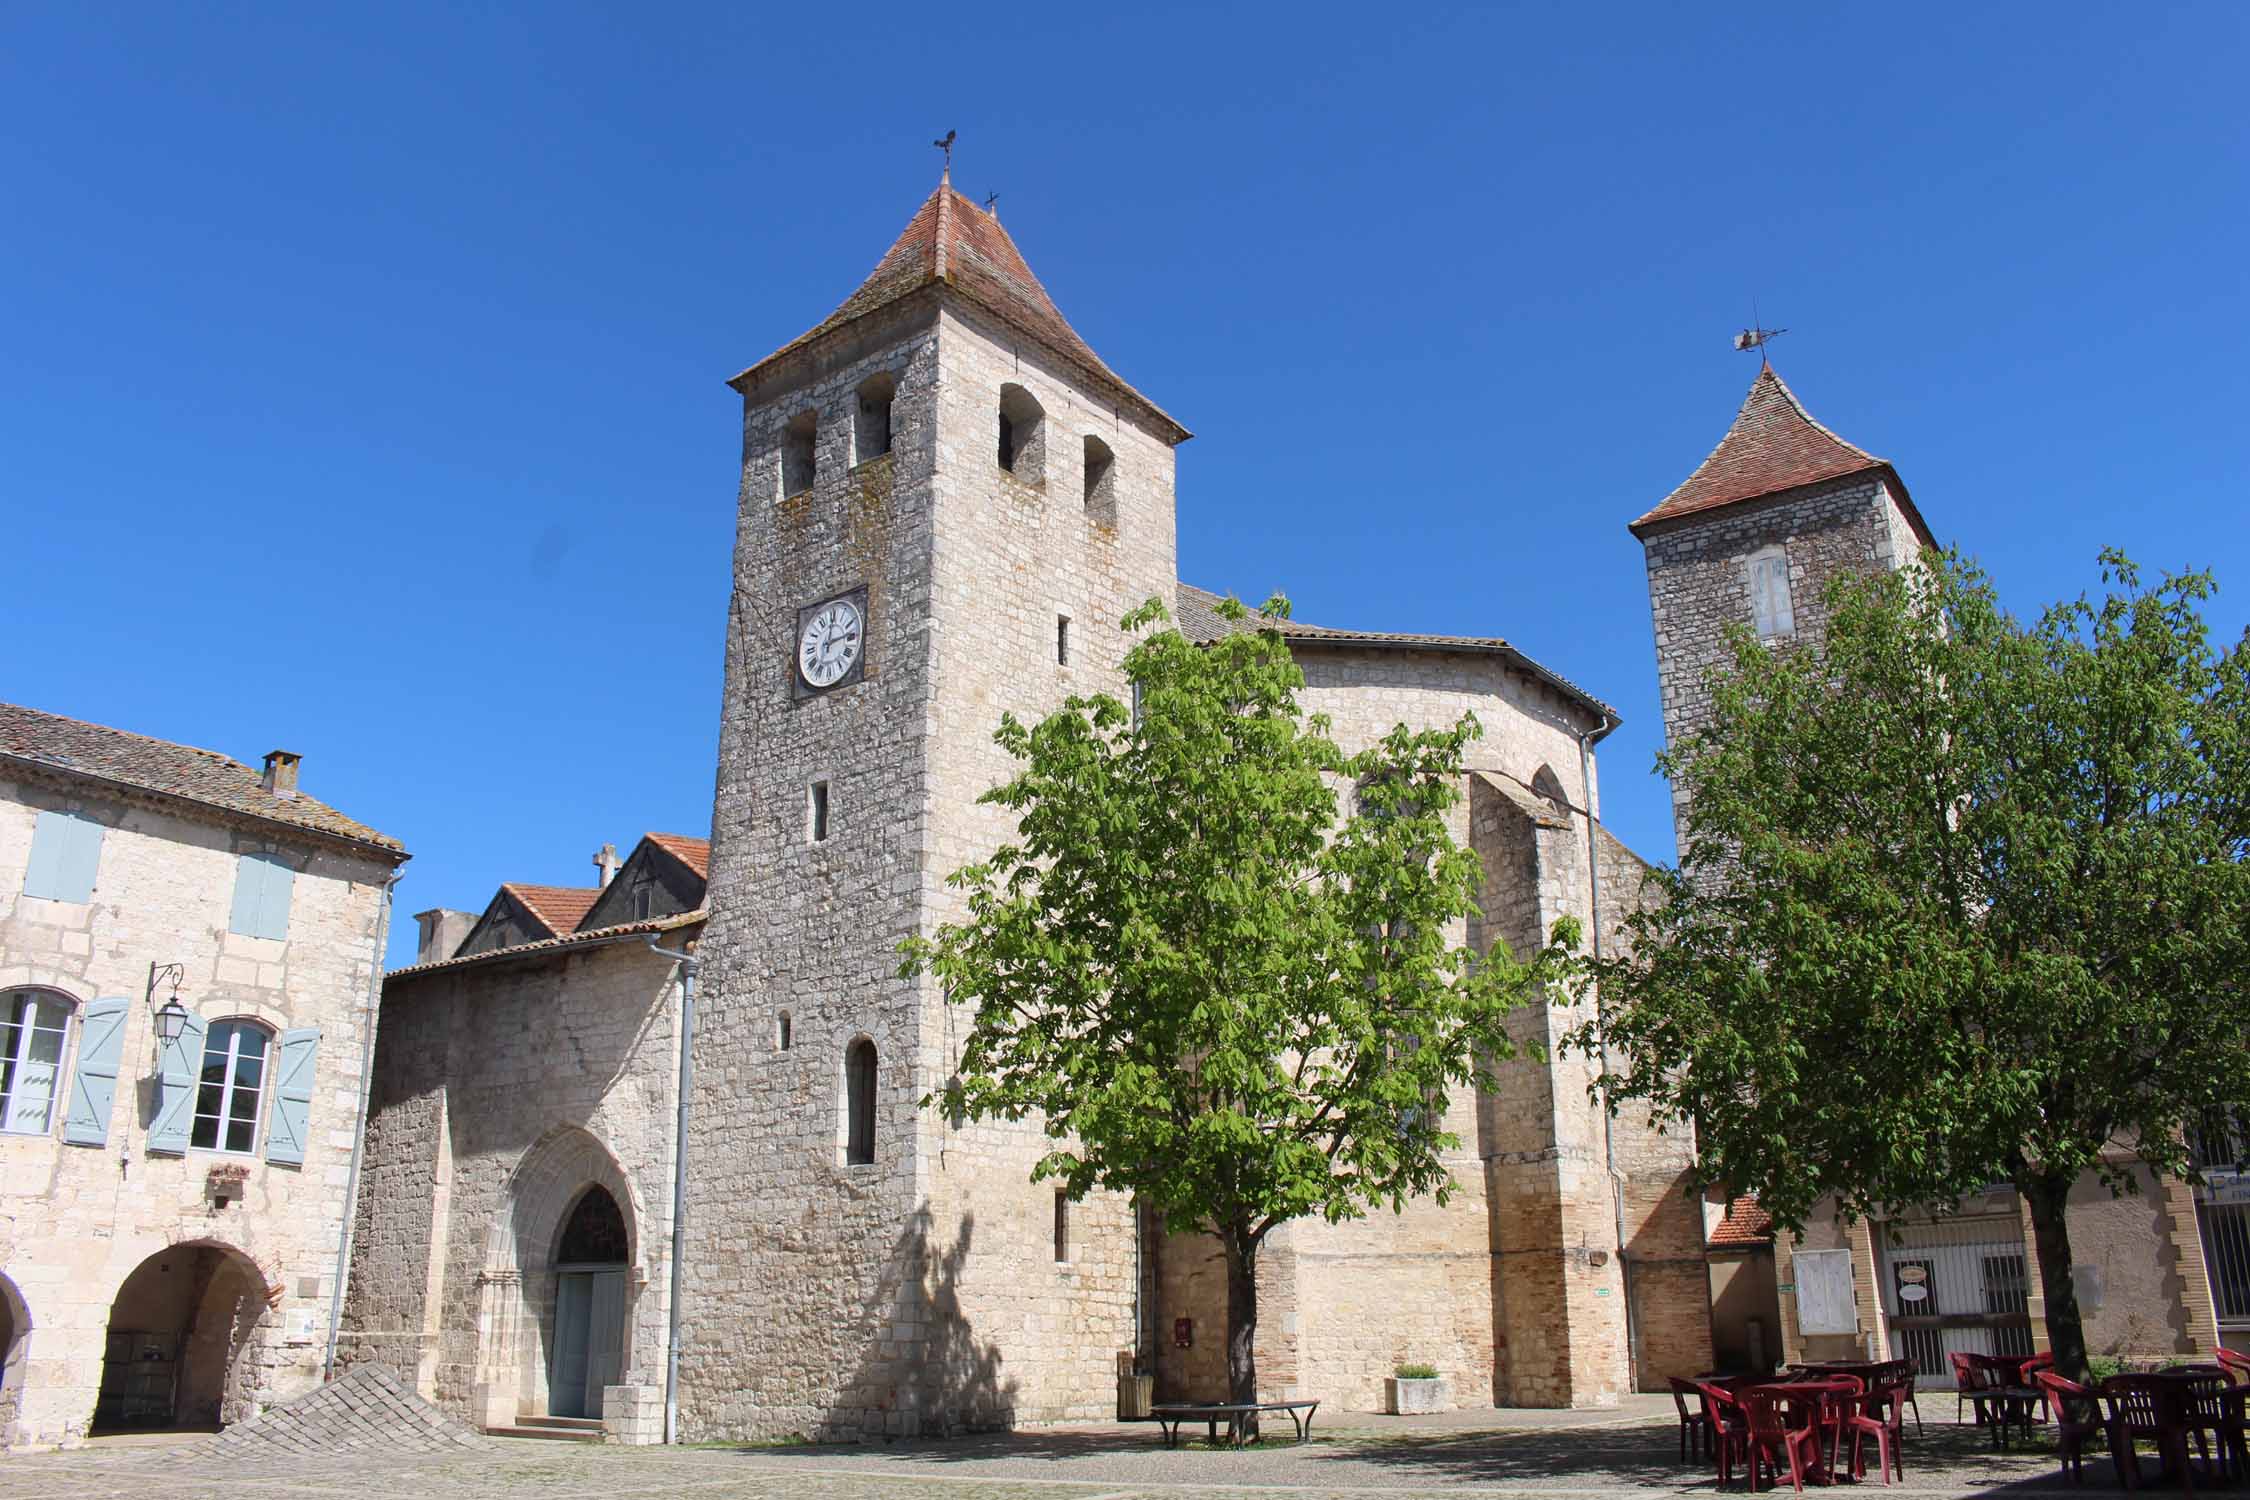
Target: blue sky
361,383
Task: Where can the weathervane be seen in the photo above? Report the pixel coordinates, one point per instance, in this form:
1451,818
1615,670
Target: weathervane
1757,338
946,146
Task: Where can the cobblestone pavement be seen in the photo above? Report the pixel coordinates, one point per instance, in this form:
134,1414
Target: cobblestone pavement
1542,1457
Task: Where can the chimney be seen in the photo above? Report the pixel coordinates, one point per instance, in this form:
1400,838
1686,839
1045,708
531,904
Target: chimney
443,931
607,864
281,772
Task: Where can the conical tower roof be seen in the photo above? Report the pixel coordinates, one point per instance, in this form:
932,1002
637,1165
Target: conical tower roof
952,242
1774,445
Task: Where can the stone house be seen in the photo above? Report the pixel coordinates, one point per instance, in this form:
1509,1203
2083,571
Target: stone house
1752,537
188,957
948,502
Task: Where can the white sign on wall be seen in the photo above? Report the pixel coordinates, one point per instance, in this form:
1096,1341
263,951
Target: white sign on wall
1824,1292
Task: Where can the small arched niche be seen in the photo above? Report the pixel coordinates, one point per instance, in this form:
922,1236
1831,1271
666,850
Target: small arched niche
1101,481
1023,435
871,423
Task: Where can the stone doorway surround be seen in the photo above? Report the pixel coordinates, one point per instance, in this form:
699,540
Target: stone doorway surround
516,1289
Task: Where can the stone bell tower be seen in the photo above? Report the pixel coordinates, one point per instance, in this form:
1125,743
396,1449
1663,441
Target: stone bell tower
948,501
1753,536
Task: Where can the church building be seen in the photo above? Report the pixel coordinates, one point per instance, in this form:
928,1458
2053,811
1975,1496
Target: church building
947,503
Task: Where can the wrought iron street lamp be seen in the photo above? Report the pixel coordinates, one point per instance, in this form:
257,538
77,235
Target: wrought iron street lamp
172,1016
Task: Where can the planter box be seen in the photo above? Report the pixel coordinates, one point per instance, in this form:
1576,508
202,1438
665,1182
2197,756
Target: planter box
1407,1398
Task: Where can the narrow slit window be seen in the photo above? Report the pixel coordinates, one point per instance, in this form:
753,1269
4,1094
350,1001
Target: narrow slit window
816,812
1062,1229
783,1033
859,1104
1062,640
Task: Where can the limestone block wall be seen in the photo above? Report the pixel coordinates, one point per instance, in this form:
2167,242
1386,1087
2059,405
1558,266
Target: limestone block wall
502,1090
75,1221
1699,586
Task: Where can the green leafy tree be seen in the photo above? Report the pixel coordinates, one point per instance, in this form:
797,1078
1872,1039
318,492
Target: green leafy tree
1962,900
1216,989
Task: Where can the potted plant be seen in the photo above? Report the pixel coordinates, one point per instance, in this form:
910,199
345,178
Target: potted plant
1414,1389
224,1181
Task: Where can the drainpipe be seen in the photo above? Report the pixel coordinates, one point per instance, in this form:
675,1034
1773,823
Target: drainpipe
688,963
359,1132
1609,1138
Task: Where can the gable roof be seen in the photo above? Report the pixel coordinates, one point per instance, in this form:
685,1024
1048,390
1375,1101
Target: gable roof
1774,445
694,853
1197,615
952,242
559,908
182,771
568,942
1745,1224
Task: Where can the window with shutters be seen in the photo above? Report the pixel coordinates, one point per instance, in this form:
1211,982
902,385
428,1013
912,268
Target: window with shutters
230,1087
1770,611
65,849
859,1103
34,1024
262,886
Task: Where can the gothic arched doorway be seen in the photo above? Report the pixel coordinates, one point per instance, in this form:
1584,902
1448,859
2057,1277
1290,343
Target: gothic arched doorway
588,1348
180,1333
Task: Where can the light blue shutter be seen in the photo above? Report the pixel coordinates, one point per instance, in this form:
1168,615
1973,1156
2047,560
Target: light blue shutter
175,1090
262,885
292,1097
101,1042
65,849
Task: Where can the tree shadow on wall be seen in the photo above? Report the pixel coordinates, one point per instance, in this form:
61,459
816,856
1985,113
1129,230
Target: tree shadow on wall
924,1372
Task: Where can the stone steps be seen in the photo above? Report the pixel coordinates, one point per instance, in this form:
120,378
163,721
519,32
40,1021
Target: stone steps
557,1429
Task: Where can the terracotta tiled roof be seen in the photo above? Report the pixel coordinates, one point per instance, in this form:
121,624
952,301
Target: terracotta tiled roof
182,771
694,853
952,241
562,943
1197,615
1745,1224
1774,445
560,907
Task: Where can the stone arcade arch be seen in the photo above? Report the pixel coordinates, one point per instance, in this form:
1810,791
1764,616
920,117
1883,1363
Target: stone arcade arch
15,1339
525,1283
185,1341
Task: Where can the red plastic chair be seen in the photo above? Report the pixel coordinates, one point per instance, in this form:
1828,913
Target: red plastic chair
1880,1415
1695,1426
1730,1430
1775,1440
2077,1414
1969,1377
2147,1408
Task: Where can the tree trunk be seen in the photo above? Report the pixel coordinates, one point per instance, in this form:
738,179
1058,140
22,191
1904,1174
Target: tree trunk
1242,1323
2046,1195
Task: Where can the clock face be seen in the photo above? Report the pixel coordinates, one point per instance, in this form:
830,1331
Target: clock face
831,643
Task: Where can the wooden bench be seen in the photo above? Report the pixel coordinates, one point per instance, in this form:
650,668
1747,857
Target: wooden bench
1172,1416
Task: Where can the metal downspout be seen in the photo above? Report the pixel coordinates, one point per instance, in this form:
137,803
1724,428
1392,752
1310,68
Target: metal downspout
359,1133
1609,1138
689,964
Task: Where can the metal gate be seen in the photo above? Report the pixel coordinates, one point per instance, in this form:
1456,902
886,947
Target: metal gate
2222,1212
1954,1286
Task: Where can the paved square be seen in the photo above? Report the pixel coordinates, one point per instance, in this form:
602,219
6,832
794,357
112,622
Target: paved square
1535,1454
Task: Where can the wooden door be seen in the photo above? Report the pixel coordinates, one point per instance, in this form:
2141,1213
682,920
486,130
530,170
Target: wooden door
566,1361
605,1336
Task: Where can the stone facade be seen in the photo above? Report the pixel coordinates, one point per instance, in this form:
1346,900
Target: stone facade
229,1286
507,1085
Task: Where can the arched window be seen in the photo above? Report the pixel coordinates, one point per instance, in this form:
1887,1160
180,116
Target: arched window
1548,786
232,1087
1770,611
797,453
33,1026
1101,481
859,1103
871,431
1023,435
